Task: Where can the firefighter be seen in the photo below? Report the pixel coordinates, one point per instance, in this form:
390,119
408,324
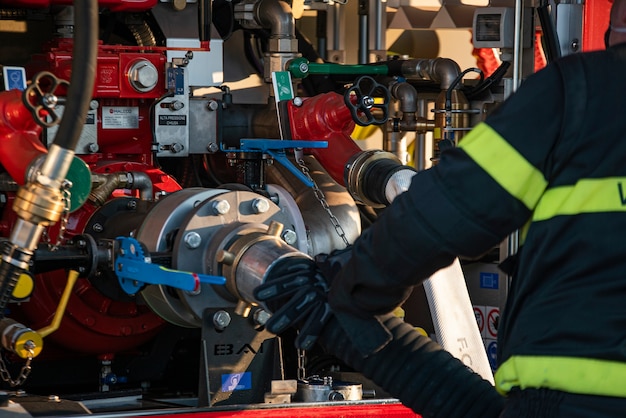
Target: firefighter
550,162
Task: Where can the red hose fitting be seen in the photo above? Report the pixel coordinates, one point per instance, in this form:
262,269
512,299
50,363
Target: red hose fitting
20,136
326,118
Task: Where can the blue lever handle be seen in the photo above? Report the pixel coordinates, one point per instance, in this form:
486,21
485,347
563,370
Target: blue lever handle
135,270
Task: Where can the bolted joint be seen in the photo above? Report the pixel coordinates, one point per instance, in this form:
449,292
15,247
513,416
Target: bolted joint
277,61
221,320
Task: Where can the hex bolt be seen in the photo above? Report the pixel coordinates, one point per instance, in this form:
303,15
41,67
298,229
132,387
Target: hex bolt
220,207
297,101
260,205
131,205
260,317
290,236
221,319
143,76
92,147
212,105
176,147
97,227
176,105
212,147
192,240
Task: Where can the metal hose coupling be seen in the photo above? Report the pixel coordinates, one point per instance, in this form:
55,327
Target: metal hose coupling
20,339
41,201
376,177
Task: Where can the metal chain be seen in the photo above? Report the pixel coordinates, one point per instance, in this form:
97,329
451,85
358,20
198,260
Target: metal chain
67,201
319,195
5,375
67,196
301,364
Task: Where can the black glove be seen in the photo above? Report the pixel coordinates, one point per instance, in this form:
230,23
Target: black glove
295,291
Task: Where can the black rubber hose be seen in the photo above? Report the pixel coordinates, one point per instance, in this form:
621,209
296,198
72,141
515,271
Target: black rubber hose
205,17
83,73
550,37
418,372
493,80
376,177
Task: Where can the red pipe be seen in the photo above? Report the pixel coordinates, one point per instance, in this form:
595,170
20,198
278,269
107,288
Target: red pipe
20,136
113,5
325,117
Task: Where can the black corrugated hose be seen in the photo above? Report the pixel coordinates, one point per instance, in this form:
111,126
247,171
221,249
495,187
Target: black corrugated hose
419,373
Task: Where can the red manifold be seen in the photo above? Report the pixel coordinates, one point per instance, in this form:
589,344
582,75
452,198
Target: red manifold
115,89
326,117
113,71
19,135
113,5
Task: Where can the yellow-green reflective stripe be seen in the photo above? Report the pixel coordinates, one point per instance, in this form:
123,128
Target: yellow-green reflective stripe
568,374
504,164
586,196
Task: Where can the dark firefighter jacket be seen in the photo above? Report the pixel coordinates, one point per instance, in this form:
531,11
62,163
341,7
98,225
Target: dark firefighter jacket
551,162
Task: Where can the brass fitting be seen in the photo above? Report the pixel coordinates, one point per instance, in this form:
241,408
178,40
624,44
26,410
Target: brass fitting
39,204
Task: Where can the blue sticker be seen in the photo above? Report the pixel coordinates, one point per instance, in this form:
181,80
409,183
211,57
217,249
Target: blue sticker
14,78
236,381
488,280
176,80
492,354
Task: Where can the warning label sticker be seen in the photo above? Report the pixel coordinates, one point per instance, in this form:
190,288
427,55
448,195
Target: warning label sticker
120,117
493,320
479,312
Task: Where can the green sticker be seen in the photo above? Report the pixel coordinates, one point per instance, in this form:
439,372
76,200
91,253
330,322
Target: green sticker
80,176
283,89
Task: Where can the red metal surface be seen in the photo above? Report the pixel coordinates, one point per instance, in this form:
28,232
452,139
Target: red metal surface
113,64
340,411
114,5
94,323
326,118
595,23
112,89
19,136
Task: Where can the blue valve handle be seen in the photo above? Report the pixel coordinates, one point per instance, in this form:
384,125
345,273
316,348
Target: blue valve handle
276,148
134,270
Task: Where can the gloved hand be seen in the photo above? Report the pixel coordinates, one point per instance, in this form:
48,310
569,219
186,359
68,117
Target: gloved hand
295,291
